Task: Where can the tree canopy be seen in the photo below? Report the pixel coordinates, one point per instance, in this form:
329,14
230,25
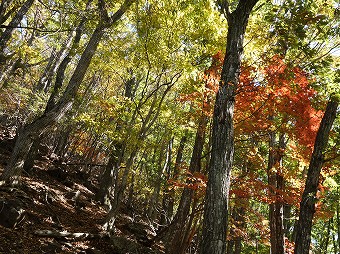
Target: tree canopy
204,116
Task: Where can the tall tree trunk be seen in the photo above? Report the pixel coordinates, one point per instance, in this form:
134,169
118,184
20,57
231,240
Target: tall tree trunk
240,220
107,180
230,247
130,199
153,204
61,144
288,221
338,221
217,193
336,231
60,74
276,184
167,211
175,175
8,70
176,171
325,242
279,204
57,65
120,188
272,188
47,75
149,120
307,205
31,156
238,216
176,234
7,34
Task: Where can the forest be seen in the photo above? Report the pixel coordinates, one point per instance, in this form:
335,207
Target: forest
170,126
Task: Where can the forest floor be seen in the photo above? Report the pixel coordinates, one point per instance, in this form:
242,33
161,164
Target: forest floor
59,201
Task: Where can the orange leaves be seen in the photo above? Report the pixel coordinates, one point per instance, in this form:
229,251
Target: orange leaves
289,246
194,181
292,98
285,94
300,77
253,187
276,67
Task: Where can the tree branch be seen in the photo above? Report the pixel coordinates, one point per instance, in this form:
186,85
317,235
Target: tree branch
118,14
224,8
37,29
74,236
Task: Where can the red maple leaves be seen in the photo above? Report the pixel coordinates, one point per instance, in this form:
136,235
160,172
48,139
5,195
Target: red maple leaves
278,98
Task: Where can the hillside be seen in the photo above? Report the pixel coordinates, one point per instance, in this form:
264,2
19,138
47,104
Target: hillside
56,199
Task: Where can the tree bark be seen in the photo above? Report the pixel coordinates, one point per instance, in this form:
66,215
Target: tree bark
176,235
120,188
152,199
230,247
272,187
31,156
167,211
307,205
153,204
325,241
217,193
280,233
109,177
61,143
176,171
7,34
4,12
149,120
238,216
288,221
338,222
276,184
47,77
60,75
106,185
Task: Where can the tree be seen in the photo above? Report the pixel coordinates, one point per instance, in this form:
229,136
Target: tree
6,35
40,125
307,205
177,237
124,109
216,204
